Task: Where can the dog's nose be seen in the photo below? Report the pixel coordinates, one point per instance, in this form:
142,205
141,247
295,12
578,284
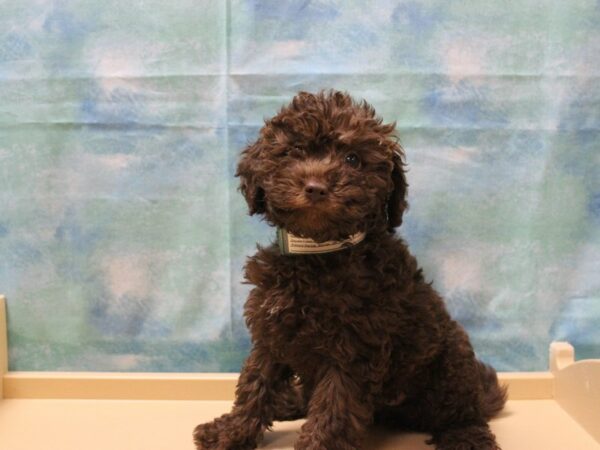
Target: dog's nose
315,190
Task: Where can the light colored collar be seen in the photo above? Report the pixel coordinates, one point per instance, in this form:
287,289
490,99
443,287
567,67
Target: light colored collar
290,244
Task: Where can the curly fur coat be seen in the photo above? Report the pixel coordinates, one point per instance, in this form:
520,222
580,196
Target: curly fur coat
356,336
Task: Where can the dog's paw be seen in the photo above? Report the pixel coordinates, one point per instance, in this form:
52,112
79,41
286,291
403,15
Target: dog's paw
219,435
305,443
207,437
308,442
468,438
467,446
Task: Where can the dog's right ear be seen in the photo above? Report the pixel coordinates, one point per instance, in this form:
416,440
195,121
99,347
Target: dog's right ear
246,170
397,203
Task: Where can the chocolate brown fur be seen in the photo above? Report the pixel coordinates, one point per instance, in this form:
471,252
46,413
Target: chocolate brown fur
354,337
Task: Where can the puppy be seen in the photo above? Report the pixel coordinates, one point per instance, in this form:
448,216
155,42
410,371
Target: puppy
345,329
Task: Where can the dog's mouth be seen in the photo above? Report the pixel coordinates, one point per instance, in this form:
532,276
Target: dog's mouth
309,222
321,222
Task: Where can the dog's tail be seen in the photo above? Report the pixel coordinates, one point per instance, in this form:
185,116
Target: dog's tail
494,395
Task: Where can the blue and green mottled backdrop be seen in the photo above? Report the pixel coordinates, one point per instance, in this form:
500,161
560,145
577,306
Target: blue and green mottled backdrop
122,236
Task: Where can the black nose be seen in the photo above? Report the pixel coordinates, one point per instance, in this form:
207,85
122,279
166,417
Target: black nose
315,190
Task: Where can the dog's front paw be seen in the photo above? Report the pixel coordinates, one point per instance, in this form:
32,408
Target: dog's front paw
207,436
468,438
222,434
307,441
304,442
468,446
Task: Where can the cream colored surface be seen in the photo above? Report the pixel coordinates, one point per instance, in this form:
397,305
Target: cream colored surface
101,411
167,425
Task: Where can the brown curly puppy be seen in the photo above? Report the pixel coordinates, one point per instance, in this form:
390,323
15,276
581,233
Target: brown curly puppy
355,335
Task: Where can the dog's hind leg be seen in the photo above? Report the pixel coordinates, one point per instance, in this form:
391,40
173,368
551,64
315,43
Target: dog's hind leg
462,396
291,401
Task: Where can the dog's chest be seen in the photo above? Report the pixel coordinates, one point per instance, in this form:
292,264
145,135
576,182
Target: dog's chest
311,313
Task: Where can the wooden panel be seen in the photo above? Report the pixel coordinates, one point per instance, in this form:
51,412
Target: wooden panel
3,344
180,386
528,385
577,386
124,386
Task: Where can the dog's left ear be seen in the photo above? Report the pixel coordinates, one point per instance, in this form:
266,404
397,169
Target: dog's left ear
397,204
249,186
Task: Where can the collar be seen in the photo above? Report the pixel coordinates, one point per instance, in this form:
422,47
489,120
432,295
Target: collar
290,244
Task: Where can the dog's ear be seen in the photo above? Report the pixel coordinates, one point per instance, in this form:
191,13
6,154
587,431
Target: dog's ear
397,203
249,186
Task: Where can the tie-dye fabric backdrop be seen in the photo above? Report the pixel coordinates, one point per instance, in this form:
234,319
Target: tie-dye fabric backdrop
122,236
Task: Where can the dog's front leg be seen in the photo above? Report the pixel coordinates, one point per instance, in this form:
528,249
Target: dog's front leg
339,413
252,412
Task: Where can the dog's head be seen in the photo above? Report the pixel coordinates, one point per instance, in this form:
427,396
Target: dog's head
325,167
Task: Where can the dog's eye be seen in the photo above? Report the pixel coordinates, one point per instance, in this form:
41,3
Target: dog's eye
352,160
287,151
292,151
